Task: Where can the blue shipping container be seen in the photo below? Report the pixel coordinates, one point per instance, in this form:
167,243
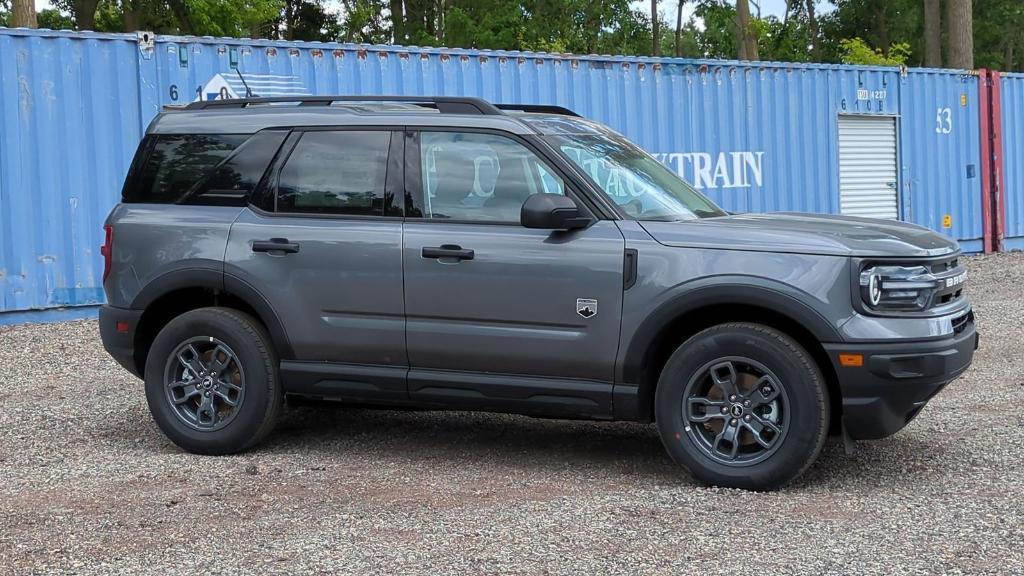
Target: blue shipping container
753,136
1012,105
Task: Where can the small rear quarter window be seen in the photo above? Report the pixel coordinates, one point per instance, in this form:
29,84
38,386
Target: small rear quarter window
170,164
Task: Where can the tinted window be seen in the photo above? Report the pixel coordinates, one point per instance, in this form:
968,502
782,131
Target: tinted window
174,163
468,176
231,182
339,172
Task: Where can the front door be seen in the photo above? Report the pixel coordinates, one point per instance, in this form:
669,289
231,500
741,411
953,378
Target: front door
497,314
325,253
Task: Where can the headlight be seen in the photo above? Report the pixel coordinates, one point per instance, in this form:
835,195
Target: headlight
874,288
908,288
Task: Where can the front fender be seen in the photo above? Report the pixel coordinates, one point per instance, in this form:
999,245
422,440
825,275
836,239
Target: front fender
771,295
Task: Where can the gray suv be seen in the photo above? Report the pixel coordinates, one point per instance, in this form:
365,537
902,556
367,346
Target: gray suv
449,253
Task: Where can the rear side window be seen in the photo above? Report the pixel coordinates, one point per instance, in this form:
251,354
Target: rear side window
174,163
230,183
335,172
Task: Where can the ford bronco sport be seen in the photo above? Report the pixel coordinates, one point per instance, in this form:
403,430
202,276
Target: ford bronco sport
449,253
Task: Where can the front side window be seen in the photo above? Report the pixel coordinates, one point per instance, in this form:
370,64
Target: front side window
335,172
642,187
480,177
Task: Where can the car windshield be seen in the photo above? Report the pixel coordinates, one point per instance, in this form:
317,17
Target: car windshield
642,187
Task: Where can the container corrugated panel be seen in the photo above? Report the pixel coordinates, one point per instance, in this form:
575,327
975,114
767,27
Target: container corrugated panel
940,153
69,124
753,136
1012,107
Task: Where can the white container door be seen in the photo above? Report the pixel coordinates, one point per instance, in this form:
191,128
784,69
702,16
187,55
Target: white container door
867,166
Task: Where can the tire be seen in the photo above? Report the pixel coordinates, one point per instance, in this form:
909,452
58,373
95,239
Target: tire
731,442
219,339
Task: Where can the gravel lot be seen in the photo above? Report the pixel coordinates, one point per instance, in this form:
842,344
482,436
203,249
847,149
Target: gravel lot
88,485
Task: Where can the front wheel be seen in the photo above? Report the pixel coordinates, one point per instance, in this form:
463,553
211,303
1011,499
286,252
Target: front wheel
211,381
743,406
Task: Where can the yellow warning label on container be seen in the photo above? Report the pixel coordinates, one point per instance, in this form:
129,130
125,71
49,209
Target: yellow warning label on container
963,99
947,221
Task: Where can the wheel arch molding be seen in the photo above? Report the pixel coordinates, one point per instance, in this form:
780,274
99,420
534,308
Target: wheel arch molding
658,334
220,286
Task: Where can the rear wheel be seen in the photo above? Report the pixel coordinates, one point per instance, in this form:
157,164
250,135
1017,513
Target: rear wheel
742,405
211,381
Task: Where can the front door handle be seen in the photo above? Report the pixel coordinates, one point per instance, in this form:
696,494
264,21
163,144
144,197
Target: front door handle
275,245
447,251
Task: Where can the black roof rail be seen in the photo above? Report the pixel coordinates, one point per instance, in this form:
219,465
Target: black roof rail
538,108
444,104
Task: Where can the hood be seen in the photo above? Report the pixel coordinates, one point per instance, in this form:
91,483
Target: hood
804,234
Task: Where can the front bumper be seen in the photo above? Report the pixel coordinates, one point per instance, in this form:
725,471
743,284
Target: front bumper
120,343
897,379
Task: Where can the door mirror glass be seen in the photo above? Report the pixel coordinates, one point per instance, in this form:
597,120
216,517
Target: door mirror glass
552,212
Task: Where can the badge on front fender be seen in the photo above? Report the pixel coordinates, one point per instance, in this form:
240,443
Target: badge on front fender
586,307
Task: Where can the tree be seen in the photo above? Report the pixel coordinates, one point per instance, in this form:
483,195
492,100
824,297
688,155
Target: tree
679,29
960,34
812,23
856,51
82,11
23,14
747,35
655,32
397,22
932,35
52,19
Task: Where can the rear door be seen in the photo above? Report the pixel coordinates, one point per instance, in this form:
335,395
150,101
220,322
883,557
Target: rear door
322,243
499,315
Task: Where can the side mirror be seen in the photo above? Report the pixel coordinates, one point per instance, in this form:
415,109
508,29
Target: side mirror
552,212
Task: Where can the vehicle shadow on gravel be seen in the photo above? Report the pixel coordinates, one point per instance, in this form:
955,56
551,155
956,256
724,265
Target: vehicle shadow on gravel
556,444
330,431
473,436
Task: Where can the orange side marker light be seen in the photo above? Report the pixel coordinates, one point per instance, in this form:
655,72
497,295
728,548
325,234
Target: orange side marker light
851,360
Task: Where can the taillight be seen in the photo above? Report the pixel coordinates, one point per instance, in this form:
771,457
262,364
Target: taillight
107,249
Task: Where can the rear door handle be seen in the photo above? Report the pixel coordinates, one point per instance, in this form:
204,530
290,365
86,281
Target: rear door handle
447,251
275,245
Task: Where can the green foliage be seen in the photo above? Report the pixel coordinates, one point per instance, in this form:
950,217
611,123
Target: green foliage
888,32
229,17
856,51
54,20
364,22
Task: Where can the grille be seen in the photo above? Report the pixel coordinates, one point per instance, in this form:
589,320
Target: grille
961,322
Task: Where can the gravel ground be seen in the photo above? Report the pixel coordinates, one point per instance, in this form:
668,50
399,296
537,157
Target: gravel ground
88,485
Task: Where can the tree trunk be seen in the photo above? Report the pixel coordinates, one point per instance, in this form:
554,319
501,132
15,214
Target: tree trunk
85,14
959,29
655,29
430,14
747,40
180,12
679,28
131,20
882,27
812,24
289,20
397,22
23,14
1008,54
932,35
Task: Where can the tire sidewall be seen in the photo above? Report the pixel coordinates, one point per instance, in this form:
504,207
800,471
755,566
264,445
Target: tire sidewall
259,389
798,375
